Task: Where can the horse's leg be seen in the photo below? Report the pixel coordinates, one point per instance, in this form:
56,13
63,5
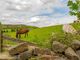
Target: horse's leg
25,35
16,35
19,36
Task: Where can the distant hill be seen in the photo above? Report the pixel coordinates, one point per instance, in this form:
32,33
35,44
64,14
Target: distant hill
7,26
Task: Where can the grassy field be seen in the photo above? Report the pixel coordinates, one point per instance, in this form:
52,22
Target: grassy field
40,36
7,42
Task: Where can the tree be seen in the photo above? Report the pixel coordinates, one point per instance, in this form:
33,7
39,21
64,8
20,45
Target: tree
74,6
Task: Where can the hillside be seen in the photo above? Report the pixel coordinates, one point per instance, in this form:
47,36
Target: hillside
40,36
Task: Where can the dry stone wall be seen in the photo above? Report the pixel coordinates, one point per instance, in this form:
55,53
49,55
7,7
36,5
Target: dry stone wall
59,52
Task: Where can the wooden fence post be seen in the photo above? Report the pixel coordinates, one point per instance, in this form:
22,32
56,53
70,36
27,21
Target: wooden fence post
1,39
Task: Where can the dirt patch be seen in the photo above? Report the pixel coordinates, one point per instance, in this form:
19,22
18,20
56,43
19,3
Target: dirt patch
6,56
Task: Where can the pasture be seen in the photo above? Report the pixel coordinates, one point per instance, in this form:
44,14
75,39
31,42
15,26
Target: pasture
39,36
42,36
8,42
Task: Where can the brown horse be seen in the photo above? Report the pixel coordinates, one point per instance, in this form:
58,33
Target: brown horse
22,31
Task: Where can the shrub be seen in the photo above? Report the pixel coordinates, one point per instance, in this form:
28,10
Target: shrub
65,38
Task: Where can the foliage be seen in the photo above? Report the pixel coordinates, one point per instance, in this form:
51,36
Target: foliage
74,7
65,38
76,26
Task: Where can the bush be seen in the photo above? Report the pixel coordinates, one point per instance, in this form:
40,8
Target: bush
78,31
65,38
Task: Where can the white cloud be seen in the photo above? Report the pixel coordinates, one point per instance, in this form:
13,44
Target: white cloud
41,21
34,19
44,21
32,4
26,11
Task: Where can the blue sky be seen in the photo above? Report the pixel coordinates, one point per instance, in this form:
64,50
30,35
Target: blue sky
61,10
35,12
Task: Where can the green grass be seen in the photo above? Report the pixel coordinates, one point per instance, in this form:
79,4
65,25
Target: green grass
8,42
76,26
40,36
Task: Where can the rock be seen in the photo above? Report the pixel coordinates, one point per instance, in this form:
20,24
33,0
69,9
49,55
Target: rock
49,57
25,55
47,52
18,49
36,51
70,53
16,57
58,47
46,57
60,58
78,53
35,58
63,56
40,51
69,29
75,44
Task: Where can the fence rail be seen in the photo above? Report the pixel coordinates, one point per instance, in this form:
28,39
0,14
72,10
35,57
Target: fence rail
17,40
